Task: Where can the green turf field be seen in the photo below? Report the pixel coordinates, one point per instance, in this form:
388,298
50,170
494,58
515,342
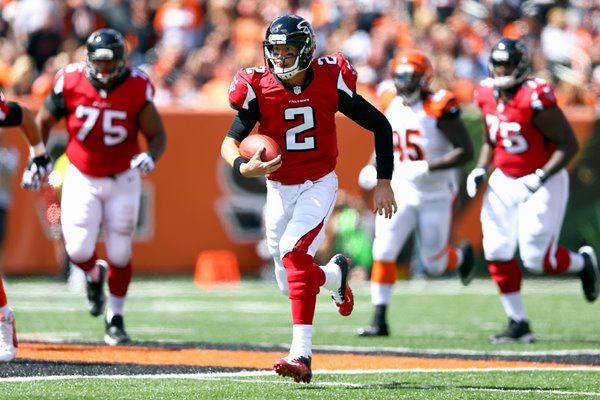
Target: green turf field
427,318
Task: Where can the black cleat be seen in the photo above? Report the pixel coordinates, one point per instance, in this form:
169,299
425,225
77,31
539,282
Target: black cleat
515,332
115,332
96,299
589,275
343,297
373,330
466,270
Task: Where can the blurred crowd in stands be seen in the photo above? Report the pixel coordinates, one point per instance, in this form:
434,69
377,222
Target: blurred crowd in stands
192,48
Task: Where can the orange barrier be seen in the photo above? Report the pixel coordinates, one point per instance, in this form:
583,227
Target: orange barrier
192,202
216,267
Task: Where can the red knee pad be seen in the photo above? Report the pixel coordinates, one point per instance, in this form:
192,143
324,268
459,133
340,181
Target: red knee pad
507,275
88,265
562,258
303,275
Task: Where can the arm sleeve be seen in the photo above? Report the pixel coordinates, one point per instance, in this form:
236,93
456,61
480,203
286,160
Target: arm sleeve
55,104
14,116
241,126
366,115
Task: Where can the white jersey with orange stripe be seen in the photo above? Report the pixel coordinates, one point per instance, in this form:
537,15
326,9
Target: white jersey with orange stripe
417,137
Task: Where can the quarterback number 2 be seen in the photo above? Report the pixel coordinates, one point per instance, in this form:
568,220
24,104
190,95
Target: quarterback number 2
509,132
292,140
113,134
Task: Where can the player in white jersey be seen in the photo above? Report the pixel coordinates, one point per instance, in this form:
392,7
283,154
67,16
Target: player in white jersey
429,141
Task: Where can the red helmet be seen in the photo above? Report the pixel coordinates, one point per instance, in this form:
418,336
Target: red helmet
412,73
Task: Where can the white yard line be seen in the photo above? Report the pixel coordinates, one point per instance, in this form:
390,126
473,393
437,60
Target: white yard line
237,377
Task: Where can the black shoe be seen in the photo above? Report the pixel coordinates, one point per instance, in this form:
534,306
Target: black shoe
373,330
343,296
115,332
96,299
515,332
466,270
589,275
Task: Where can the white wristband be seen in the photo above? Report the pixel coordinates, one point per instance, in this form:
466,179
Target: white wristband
37,150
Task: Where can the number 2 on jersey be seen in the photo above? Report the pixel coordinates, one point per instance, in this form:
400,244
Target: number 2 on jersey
307,116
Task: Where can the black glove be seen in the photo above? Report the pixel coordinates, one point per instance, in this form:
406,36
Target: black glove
36,173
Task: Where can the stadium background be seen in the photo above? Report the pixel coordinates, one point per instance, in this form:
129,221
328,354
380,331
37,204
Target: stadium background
191,49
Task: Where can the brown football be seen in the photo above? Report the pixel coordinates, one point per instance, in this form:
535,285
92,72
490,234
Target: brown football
252,143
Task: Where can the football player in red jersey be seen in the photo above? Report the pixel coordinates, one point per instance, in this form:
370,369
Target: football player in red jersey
104,104
430,140
530,142
34,176
294,98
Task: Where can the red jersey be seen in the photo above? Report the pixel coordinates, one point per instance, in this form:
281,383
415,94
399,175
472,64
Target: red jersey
102,126
519,146
300,119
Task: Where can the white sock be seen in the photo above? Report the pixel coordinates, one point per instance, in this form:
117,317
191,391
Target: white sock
513,306
301,341
381,293
4,311
577,263
115,306
333,276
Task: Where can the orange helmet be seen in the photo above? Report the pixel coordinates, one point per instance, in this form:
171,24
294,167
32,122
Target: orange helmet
412,73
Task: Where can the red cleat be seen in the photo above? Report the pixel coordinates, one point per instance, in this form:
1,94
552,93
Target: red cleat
297,368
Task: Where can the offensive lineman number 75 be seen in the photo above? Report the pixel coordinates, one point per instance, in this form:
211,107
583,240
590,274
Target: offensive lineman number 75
113,134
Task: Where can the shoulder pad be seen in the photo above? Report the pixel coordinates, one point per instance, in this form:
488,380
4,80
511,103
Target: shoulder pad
542,95
386,97
343,69
441,102
483,90
240,89
73,72
138,73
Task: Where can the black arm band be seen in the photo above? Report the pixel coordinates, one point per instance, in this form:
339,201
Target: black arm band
237,164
